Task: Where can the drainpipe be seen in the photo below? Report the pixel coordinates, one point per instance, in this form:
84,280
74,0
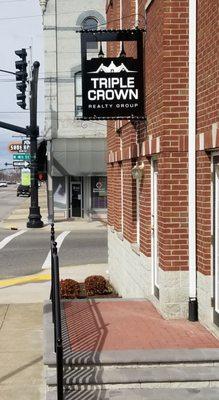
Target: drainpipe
136,14
193,304
56,66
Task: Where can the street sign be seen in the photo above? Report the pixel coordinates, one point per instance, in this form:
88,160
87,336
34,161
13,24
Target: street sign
21,156
25,145
26,141
21,164
12,147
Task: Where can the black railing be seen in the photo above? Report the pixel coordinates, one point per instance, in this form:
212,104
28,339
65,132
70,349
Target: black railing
56,314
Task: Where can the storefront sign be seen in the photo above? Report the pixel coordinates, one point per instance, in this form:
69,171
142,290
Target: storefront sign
112,88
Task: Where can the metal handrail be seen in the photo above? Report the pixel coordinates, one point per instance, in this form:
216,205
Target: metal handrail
56,311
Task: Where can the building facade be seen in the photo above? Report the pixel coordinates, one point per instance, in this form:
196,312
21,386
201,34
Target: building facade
76,149
163,173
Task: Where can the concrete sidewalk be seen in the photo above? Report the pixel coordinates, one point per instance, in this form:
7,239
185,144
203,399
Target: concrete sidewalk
21,360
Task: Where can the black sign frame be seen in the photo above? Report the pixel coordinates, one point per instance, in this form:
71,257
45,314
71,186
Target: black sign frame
132,74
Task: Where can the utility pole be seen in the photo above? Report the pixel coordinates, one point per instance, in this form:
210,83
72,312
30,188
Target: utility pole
34,218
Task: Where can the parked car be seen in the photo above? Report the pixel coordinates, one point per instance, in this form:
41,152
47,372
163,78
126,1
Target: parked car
3,184
23,191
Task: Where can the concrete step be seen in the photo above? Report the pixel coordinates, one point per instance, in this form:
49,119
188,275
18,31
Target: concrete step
149,376
140,394
131,357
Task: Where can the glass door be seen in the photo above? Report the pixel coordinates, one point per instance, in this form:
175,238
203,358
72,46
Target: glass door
76,199
216,241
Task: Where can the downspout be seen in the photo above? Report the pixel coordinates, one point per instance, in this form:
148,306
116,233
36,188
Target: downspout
193,304
57,65
136,14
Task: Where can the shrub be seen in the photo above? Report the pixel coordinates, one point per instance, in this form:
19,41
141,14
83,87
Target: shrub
69,289
96,284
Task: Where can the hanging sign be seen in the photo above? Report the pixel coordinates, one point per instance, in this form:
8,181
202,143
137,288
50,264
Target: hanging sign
112,88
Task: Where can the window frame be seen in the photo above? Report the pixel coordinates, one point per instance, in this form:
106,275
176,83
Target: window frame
78,73
91,45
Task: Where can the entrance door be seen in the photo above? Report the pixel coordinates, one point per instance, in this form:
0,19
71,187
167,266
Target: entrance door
216,242
76,199
154,231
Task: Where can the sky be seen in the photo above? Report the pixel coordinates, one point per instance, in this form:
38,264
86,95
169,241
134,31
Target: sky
20,27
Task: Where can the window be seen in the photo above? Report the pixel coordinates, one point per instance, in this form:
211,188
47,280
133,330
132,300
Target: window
98,192
90,23
78,95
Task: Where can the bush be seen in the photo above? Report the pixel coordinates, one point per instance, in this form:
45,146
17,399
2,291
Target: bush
69,289
96,285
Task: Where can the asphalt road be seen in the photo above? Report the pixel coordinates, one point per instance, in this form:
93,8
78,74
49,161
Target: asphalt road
25,254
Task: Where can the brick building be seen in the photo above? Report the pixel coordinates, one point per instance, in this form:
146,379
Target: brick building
164,225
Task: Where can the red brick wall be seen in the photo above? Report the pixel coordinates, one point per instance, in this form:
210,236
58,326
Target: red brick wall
129,202
173,211
145,210
207,114
166,110
207,64
154,74
203,213
166,107
110,193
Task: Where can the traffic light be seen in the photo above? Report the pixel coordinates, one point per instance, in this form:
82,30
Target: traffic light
21,77
41,160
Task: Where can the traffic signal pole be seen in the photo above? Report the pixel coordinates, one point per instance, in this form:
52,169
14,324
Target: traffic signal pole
32,132
34,218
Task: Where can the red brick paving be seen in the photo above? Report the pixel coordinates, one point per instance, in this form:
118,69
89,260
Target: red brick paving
122,325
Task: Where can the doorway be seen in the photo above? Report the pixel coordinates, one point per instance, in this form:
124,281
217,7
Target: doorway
76,199
154,230
216,242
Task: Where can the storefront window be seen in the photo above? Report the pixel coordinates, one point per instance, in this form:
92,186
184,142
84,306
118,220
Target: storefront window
78,95
98,192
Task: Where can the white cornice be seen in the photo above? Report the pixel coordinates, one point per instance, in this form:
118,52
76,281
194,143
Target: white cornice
148,2
43,4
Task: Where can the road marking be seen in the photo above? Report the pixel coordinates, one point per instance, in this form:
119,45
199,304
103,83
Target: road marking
24,279
59,240
6,240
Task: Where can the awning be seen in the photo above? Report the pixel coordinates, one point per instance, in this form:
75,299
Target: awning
79,156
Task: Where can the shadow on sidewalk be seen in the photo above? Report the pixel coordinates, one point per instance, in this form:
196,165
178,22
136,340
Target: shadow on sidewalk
84,335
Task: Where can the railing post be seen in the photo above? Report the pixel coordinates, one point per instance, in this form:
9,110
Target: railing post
52,240
58,326
56,313
54,291
59,370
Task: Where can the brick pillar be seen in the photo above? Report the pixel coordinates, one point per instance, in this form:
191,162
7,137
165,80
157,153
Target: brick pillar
173,211
110,194
129,202
117,197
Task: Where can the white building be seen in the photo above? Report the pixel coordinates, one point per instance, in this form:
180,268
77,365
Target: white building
76,149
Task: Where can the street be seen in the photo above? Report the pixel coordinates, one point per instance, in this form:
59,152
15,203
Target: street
8,200
26,251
